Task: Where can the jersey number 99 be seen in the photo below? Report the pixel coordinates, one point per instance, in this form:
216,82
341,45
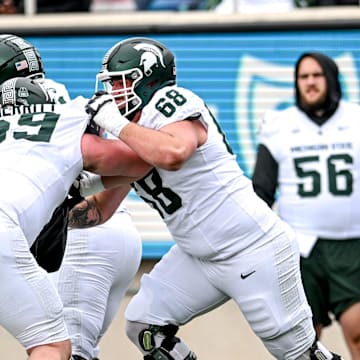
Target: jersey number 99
32,127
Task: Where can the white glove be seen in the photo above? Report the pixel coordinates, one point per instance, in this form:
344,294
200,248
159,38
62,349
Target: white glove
104,112
88,183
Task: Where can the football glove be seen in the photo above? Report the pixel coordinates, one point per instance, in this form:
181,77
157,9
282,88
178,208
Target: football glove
103,111
88,183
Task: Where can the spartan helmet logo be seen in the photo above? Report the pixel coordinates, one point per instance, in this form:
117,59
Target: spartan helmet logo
151,56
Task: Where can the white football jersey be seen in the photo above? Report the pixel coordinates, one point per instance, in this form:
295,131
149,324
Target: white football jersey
40,157
208,205
319,170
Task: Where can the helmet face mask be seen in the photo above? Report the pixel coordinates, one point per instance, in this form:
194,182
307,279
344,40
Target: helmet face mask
121,85
133,70
19,58
23,91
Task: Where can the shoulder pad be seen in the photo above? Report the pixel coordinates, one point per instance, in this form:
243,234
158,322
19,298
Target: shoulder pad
270,123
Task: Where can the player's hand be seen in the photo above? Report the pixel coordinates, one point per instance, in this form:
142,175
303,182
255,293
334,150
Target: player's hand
88,183
104,112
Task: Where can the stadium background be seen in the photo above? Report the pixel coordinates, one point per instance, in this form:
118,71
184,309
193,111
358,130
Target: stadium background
241,65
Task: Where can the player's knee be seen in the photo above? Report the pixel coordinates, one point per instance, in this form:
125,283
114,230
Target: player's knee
158,342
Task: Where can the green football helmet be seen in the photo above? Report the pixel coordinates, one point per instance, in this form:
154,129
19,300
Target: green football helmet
143,66
19,58
23,91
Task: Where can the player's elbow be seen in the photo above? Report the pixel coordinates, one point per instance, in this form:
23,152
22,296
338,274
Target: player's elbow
172,160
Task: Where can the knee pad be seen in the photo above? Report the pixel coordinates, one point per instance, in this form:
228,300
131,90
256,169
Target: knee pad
158,342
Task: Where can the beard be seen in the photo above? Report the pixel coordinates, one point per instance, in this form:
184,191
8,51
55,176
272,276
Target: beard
315,108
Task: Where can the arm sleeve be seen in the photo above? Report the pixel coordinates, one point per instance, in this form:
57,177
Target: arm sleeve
265,175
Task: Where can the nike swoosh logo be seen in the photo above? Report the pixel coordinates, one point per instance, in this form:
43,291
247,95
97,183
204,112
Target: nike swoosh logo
244,276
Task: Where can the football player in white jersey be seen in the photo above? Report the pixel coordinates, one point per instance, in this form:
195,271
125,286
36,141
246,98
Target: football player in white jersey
229,244
99,263
43,149
311,153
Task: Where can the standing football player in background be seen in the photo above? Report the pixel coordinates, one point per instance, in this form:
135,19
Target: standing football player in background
310,152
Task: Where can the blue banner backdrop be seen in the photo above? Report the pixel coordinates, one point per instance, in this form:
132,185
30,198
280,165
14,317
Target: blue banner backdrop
239,75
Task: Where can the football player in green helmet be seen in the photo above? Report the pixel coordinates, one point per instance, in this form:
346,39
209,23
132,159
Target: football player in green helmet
143,66
228,243
87,321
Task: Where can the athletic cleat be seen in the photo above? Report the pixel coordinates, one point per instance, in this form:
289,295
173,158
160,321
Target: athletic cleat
77,357
319,352
191,356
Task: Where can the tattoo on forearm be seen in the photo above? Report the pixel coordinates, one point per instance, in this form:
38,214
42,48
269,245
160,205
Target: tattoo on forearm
84,214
